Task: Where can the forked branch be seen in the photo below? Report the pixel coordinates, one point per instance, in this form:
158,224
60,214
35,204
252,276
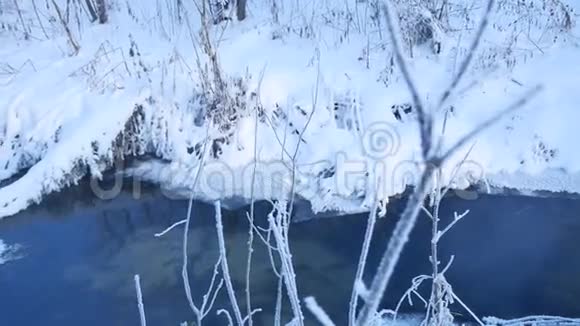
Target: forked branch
432,163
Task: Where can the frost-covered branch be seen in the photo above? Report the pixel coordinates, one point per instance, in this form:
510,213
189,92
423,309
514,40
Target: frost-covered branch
162,233
457,218
424,120
278,308
252,207
279,225
318,312
412,290
362,262
470,54
228,316
208,297
199,314
395,246
140,300
184,271
432,163
532,320
224,263
442,295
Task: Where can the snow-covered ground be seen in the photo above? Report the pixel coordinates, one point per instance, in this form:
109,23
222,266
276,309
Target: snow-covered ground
316,78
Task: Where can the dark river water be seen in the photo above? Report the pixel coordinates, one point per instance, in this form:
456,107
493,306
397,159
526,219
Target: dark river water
514,256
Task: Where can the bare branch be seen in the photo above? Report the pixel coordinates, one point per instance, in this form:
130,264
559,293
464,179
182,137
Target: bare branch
162,233
278,308
140,300
472,49
318,312
249,316
184,272
362,261
76,47
252,206
25,28
279,227
455,172
224,263
415,283
467,308
208,302
414,204
543,320
425,123
92,11
395,246
228,316
426,211
456,219
39,20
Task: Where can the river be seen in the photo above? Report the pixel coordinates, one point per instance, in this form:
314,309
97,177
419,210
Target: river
514,256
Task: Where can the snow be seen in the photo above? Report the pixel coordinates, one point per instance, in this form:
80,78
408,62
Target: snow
63,116
8,252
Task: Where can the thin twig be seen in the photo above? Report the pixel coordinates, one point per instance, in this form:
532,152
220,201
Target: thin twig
76,47
467,308
432,162
279,227
278,309
24,27
318,312
362,261
39,20
252,207
162,233
300,137
228,316
184,271
395,246
424,120
448,227
208,298
472,50
224,263
140,300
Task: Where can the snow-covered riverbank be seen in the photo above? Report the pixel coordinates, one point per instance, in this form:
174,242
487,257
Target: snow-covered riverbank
324,99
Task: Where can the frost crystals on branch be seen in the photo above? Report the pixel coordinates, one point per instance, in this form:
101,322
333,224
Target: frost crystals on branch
279,220
224,263
433,161
140,300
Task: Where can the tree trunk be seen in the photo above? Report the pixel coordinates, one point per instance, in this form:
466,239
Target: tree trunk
102,11
241,9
